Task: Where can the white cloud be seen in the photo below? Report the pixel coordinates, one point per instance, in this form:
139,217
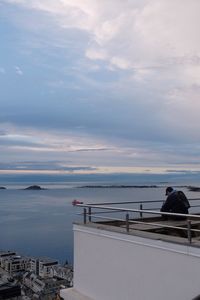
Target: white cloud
154,48
96,54
18,70
121,63
152,33
157,35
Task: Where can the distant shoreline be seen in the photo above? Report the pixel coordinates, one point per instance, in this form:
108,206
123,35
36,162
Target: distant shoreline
111,186
190,188
120,186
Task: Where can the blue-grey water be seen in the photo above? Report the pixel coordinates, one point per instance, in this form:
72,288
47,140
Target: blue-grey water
39,222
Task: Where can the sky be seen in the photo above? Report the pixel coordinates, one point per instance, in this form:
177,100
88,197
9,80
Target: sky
99,86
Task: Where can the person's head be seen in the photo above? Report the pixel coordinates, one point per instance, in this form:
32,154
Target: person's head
169,189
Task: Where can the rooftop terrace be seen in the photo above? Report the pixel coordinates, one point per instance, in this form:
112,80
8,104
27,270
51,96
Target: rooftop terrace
141,218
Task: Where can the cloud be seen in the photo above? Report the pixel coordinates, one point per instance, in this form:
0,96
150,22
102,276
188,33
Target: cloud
48,141
124,75
132,35
183,171
18,71
43,166
96,54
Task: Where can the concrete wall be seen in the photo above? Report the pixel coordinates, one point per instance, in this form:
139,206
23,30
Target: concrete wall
114,266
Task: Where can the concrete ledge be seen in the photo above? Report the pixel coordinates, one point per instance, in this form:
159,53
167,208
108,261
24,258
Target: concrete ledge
144,234
73,294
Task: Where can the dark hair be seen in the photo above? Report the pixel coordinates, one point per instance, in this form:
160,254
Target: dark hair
169,189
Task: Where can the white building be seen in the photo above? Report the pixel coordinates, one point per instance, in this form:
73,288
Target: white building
15,263
4,255
43,286
32,281
142,259
44,267
64,273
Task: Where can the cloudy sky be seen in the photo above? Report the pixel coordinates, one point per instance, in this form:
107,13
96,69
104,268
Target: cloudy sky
91,86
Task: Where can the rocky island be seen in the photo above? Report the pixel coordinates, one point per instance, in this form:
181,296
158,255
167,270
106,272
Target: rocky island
34,187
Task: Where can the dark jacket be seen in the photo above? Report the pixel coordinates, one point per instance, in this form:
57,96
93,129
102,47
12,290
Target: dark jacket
174,204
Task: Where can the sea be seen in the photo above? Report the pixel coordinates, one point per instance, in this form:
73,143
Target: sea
39,223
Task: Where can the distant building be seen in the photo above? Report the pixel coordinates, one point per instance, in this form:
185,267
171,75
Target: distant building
64,273
40,278
4,255
43,267
15,263
32,281
43,286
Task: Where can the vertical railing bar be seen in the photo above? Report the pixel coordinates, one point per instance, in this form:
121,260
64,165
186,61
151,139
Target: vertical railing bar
189,234
141,208
127,222
90,214
85,215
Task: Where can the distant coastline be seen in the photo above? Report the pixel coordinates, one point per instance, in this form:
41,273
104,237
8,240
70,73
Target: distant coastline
120,186
190,188
111,186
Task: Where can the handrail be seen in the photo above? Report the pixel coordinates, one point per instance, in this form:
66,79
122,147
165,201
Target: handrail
87,208
153,212
138,202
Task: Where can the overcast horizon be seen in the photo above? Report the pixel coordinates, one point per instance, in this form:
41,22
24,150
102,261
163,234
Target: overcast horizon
92,87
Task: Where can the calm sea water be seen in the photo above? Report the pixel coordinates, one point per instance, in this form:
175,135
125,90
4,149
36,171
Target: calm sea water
39,223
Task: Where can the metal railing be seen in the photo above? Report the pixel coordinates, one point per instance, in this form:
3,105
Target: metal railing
98,211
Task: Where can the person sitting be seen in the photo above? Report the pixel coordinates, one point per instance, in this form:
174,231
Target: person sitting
176,202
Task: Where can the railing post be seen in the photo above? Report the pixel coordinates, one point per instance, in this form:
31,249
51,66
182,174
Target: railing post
84,215
141,208
127,222
189,234
90,214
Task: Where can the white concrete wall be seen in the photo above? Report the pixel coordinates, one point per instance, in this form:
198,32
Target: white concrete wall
114,266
